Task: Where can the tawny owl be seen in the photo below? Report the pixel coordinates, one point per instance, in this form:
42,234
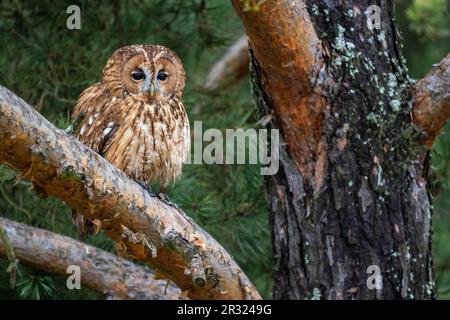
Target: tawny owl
135,118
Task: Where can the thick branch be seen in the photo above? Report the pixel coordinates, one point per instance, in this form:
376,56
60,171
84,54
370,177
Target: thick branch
432,100
287,53
231,68
100,271
144,227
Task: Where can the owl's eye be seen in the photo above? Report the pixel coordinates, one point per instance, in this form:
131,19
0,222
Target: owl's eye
138,75
162,75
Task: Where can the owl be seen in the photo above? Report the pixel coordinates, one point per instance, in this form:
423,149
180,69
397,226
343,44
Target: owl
135,118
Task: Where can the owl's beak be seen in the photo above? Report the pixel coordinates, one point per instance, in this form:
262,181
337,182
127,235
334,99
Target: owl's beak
151,89
147,85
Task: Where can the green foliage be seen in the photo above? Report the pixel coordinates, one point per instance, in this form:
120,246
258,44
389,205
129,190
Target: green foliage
441,161
71,174
429,18
36,287
428,44
441,241
422,49
34,284
10,255
441,223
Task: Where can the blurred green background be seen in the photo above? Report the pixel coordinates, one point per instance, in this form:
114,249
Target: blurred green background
48,66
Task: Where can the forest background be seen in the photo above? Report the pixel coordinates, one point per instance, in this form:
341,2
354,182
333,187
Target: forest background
48,66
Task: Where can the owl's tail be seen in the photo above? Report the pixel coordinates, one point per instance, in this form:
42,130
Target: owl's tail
85,227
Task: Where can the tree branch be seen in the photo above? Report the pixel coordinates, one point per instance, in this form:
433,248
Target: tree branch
287,52
144,227
101,271
431,108
231,68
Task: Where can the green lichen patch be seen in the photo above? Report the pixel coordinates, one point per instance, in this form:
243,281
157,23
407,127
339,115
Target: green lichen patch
71,174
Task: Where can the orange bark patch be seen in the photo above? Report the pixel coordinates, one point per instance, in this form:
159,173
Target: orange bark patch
288,52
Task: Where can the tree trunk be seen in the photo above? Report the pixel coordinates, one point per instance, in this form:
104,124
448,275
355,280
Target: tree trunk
350,197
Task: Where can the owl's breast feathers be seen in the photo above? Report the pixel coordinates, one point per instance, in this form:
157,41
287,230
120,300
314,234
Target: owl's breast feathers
148,141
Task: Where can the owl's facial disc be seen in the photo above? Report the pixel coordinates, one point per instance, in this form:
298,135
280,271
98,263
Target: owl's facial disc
147,73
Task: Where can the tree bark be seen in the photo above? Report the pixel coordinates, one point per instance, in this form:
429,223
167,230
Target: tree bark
101,271
143,227
432,100
351,193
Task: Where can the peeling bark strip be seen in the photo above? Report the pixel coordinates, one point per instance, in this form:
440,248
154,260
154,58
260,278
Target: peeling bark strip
432,100
143,227
351,193
101,271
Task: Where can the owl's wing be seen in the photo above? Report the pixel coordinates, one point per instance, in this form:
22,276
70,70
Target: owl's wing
94,105
100,122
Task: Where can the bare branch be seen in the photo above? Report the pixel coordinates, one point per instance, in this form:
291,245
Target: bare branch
101,271
432,100
144,227
231,68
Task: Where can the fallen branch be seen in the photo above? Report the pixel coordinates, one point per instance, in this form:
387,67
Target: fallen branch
100,271
143,227
432,100
231,68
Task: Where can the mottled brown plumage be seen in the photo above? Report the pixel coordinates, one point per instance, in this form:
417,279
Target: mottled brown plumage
135,118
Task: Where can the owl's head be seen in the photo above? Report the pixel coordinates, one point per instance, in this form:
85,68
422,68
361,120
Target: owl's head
146,72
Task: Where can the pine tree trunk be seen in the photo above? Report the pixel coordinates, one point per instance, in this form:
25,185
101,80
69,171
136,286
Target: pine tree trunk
351,192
